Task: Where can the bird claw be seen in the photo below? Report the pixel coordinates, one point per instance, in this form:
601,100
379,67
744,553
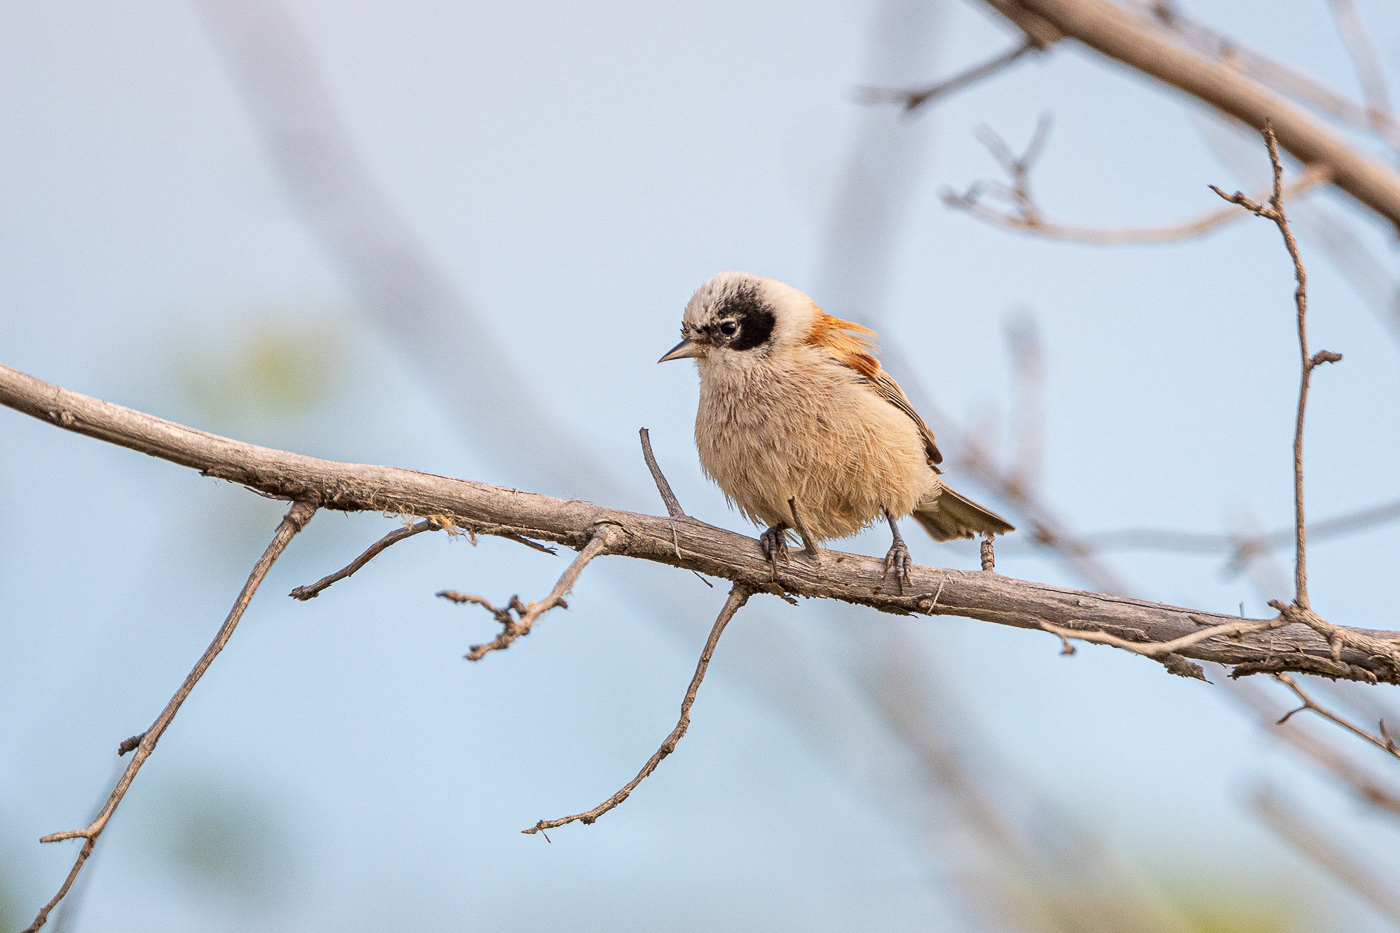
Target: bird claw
775,546
899,561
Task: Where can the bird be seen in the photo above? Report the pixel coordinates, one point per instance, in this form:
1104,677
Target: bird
802,429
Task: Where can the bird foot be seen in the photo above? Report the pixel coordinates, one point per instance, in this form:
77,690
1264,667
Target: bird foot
898,561
775,547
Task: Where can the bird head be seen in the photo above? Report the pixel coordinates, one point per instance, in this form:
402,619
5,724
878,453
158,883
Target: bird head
737,316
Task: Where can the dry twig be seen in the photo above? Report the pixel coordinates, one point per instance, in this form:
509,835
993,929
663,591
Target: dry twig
605,537
1025,215
673,505
1383,741
294,521
1312,745
738,595
394,537
1367,63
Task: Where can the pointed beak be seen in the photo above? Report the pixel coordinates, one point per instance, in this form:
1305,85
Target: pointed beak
686,349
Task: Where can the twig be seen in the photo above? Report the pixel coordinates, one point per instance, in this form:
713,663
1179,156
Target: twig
1026,215
1367,63
1312,840
1154,649
605,536
1301,610
673,506
294,521
394,537
738,595
912,100
1309,743
1382,741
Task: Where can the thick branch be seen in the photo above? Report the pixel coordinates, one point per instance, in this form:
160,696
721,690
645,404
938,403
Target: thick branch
1368,654
1140,44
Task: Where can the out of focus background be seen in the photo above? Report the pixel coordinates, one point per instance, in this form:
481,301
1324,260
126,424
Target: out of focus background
455,237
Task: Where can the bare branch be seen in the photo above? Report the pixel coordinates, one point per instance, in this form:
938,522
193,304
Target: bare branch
1367,63
1025,215
1274,74
394,537
1382,741
1145,46
912,100
1367,655
605,537
294,521
1308,742
738,595
1290,822
673,505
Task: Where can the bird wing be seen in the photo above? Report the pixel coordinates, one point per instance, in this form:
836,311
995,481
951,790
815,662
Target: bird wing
890,391
850,345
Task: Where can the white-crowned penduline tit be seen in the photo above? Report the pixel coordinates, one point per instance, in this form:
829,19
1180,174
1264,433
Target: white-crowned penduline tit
800,426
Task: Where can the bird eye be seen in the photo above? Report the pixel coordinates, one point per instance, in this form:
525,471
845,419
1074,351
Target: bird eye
729,328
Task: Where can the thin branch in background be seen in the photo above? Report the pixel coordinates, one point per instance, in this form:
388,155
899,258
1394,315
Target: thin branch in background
1023,212
605,537
912,100
394,537
1364,59
294,521
738,595
1243,547
1383,741
1314,841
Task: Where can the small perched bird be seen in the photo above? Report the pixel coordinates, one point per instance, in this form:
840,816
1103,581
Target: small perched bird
803,430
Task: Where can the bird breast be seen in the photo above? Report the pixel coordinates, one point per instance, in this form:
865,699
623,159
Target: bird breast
812,429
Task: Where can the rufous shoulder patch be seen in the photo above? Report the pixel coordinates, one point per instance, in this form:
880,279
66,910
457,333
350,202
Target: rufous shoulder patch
849,342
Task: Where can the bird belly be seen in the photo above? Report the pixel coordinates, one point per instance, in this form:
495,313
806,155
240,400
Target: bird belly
825,439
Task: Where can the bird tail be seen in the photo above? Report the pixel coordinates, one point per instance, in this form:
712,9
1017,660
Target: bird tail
947,515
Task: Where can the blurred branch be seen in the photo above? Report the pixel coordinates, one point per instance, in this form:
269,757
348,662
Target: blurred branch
1367,63
1315,841
295,520
1243,548
1142,44
738,595
912,100
400,285
1025,215
1366,655
1276,75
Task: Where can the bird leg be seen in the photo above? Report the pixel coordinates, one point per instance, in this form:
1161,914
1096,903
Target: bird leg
809,544
898,558
775,546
